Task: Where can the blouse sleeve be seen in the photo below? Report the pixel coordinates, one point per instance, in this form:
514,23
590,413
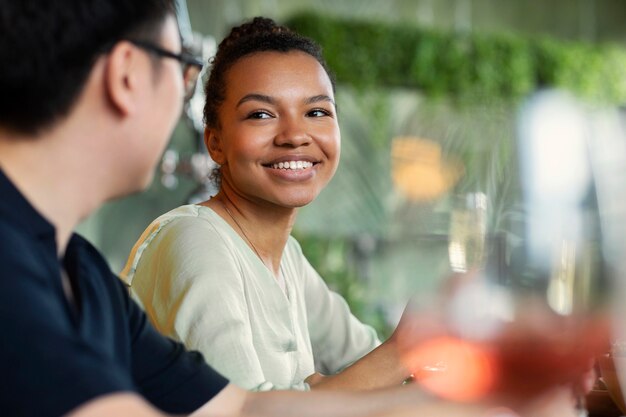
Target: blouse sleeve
338,338
190,284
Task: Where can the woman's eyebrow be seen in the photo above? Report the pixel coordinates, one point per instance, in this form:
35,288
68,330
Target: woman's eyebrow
256,97
270,100
318,98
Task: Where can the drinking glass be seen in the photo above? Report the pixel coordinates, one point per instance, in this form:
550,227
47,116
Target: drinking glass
468,229
531,313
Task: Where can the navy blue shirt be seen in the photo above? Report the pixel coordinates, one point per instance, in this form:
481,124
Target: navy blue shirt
56,354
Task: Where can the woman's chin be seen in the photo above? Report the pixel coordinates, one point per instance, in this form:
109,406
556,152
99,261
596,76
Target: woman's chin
297,201
295,198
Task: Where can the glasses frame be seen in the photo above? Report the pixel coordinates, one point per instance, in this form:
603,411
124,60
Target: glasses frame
187,61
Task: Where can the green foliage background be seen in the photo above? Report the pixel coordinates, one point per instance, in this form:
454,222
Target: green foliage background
466,73
463,65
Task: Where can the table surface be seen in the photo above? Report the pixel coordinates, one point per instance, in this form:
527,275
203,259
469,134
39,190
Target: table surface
600,404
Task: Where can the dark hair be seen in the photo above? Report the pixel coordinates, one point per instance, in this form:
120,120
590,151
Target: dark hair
48,48
258,35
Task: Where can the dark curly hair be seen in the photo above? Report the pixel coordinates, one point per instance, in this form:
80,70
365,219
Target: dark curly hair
258,35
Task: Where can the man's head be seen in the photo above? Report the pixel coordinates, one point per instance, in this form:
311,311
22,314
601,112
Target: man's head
48,48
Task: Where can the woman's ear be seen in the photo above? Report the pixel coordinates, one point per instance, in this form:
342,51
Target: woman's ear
214,145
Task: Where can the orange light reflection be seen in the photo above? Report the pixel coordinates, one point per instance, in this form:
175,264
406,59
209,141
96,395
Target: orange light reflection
468,373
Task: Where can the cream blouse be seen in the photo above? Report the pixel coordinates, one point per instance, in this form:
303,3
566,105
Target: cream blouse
201,284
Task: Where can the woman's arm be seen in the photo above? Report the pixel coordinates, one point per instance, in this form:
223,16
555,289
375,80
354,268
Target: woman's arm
343,346
381,367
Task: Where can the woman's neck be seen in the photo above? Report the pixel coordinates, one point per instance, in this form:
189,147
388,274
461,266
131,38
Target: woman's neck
264,228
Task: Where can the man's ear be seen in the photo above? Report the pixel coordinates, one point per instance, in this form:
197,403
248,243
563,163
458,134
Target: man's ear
122,77
214,145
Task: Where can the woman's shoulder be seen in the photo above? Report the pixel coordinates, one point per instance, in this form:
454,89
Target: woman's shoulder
188,212
190,217
180,233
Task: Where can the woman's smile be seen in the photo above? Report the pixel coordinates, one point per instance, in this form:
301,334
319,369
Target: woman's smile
292,171
292,165
293,168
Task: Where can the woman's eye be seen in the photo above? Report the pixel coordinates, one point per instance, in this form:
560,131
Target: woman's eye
259,115
318,113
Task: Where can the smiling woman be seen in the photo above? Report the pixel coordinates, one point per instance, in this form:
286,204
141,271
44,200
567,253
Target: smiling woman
225,276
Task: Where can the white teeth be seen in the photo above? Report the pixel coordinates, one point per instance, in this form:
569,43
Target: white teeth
294,165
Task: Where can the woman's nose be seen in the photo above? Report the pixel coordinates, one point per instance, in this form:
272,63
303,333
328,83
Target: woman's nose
292,133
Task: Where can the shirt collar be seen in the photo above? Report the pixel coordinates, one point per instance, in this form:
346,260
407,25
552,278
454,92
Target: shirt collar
14,207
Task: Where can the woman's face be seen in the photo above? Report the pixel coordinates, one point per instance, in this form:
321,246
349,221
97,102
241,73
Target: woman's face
278,140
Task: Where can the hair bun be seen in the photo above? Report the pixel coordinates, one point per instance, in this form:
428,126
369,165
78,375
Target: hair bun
258,26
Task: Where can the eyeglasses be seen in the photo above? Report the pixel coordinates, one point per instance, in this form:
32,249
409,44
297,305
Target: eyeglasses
190,65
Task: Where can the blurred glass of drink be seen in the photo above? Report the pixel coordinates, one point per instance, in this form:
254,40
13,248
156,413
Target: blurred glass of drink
468,231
